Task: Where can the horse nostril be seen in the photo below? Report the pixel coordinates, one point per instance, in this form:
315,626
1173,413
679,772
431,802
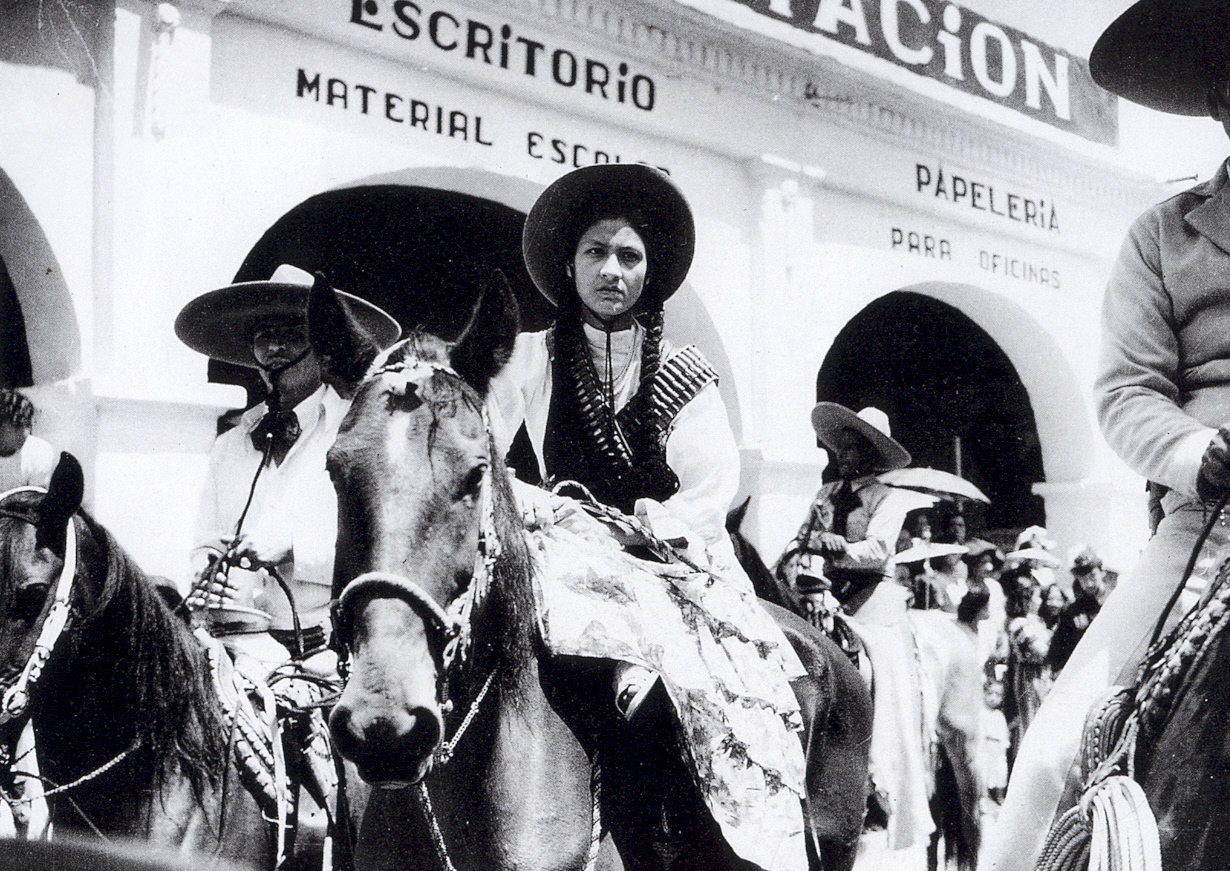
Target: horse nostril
392,745
424,733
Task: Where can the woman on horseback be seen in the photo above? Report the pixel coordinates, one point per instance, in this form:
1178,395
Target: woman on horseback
1163,391
611,404
607,401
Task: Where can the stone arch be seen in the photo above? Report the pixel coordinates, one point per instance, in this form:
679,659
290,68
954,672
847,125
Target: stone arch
46,322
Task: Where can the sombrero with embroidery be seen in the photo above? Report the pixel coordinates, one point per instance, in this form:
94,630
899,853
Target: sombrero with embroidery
830,418
219,323
1165,54
647,197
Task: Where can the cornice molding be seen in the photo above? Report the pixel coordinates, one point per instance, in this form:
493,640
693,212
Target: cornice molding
724,55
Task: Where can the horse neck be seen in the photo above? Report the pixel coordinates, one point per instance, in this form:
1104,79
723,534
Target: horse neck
96,703
517,745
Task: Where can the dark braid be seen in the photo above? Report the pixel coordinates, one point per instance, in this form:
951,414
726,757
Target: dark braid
583,442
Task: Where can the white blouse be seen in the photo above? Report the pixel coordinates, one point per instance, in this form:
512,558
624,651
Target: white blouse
700,447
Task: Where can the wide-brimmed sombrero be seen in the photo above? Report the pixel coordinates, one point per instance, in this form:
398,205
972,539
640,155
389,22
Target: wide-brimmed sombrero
646,196
1165,54
219,323
830,418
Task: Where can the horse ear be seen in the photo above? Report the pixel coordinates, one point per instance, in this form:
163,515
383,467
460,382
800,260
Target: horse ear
63,498
344,349
486,343
734,517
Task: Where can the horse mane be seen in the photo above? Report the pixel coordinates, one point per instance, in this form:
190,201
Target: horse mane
171,706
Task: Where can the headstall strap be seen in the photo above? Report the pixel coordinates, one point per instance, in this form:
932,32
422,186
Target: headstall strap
17,697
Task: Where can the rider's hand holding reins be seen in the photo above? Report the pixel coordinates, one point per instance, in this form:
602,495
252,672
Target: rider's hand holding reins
832,544
1213,480
214,588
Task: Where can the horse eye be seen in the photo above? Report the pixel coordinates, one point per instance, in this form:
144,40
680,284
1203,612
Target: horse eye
472,484
28,601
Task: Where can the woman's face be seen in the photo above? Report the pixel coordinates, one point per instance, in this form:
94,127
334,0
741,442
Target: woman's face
609,271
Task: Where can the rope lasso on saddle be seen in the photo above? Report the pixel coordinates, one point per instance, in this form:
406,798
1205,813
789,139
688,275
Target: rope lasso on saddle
1112,826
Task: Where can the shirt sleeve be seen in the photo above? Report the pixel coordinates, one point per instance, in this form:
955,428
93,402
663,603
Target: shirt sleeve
874,551
701,450
1137,389
521,383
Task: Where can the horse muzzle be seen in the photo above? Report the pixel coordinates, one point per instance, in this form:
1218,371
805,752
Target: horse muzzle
389,744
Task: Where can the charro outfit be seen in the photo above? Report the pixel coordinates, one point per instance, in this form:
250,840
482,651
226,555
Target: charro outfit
869,515
751,664
1163,388
293,501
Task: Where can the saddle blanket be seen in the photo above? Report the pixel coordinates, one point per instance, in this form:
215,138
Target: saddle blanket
725,665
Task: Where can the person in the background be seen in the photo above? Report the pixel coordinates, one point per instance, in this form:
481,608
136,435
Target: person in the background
268,503
846,545
25,460
1028,678
1054,599
841,556
1035,549
994,755
985,562
1089,591
1162,390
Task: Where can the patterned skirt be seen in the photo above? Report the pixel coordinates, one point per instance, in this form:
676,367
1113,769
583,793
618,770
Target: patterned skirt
725,664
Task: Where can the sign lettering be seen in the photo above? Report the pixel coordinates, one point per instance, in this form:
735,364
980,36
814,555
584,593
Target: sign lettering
983,196
498,45
953,45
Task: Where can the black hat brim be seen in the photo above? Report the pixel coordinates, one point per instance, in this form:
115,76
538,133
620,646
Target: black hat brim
569,205
219,323
1165,54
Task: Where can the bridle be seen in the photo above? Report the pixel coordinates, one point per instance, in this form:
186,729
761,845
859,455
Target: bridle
16,696
449,626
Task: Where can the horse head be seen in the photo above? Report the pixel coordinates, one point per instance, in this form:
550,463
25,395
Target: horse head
38,565
419,485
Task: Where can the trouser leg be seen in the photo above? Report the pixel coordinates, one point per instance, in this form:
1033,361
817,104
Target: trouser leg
1115,642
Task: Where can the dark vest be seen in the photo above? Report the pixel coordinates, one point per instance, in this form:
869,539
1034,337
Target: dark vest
620,458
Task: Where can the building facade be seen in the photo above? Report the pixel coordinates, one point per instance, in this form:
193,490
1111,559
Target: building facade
898,202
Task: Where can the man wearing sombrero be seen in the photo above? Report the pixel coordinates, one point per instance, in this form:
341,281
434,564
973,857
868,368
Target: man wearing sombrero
1163,389
846,544
844,551
267,499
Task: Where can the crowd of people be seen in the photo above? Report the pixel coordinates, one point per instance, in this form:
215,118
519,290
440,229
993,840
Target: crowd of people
1028,609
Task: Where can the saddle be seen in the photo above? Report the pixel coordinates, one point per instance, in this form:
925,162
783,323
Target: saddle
1111,825
280,741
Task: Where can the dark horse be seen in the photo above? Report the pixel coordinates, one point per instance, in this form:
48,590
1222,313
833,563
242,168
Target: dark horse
948,671
441,632
1167,735
129,732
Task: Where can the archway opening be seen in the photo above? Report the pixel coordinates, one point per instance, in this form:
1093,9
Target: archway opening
15,368
952,395
417,252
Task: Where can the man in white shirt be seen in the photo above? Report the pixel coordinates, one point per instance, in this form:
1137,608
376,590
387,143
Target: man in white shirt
25,459
268,508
